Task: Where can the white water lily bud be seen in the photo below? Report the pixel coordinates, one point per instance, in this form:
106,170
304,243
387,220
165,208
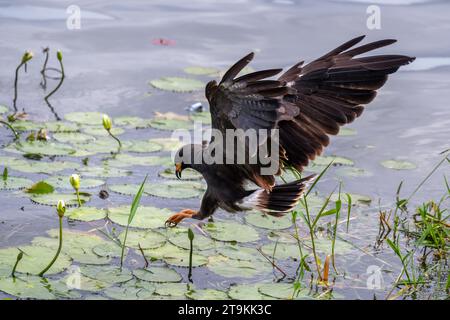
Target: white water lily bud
107,124
75,181
61,208
27,56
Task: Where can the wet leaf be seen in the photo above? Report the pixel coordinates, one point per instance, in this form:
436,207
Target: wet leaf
176,256
231,231
105,172
398,165
175,189
180,239
266,221
85,214
62,182
146,217
325,160
108,274
157,274
246,291
40,187
89,118
132,122
51,199
108,249
15,183
89,284
207,294
177,84
43,167
147,239
72,137
172,289
45,148
101,132
168,144
231,268
26,287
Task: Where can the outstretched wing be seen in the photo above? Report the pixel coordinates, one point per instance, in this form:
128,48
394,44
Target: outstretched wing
307,103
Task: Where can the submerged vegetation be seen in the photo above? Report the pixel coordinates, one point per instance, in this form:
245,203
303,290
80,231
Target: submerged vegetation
121,251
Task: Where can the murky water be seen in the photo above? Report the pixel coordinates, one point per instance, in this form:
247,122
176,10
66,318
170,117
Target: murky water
110,60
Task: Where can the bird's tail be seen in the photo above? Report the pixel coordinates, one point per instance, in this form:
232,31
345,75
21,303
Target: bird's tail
283,198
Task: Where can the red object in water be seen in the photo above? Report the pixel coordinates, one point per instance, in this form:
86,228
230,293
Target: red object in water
163,42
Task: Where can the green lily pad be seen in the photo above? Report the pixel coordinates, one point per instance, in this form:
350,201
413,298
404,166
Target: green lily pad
27,287
172,289
240,253
15,183
85,214
201,71
277,290
43,167
246,292
108,274
168,144
3,109
171,124
88,284
177,84
398,165
231,268
283,251
352,172
101,145
347,132
101,132
146,217
200,242
266,221
62,182
207,294
188,174
176,256
45,148
131,290
337,161
35,259
157,274
58,126
25,125
126,160
203,117
73,137
356,198
132,122
231,231
51,199
282,237
141,146
146,239
175,189
104,172
108,249
89,118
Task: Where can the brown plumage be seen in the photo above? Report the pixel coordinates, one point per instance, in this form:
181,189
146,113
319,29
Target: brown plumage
306,103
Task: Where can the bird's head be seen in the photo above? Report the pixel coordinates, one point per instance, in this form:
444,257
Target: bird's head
188,156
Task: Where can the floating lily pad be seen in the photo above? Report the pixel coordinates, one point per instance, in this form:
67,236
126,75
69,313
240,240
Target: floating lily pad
26,287
141,146
157,274
283,251
35,259
132,122
3,109
246,292
352,172
171,124
146,239
172,289
282,236
231,231
277,290
127,160
101,145
240,253
347,132
356,198
188,174
168,144
207,294
201,71
45,148
203,117
108,249
62,182
51,199
398,165
176,256
89,118
58,126
131,290
101,132
337,161
146,217
200,242
231,268
88,284
40,187
175,189
108,274
177,84
72,137
85,214
269,222
15,183
42,166
104,172
25,125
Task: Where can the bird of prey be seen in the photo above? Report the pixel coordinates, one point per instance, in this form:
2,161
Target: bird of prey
307,103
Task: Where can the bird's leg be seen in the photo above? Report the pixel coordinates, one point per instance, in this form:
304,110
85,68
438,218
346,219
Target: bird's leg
179,216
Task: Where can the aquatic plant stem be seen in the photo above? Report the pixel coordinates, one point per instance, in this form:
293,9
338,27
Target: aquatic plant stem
41,274
78,198
16,135
19,257
61,80
191,250
16,79
115,138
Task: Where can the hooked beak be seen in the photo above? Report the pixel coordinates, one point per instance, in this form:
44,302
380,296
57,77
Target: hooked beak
178,170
